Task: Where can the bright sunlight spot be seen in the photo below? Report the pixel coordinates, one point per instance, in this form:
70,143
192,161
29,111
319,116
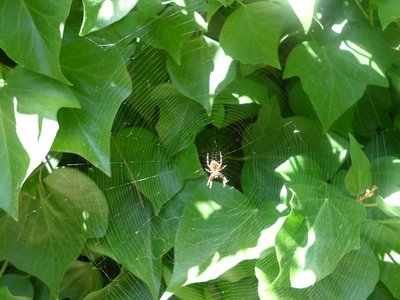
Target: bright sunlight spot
311,52
242,99
339,27
107,10
207,208
35,135
393,256
301,278
363,57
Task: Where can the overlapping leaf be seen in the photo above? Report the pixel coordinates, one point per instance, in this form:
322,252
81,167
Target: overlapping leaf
99,14
101,83
334,76
30,41
28,126
58,215
251,33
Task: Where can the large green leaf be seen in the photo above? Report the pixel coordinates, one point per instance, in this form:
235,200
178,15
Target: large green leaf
31,41
65,206
251,33
99,14
358,177
7,295
272,140
28,126
308,235
354,277
101,83
218,230
203,67
169,31
177,134
334,76
139,160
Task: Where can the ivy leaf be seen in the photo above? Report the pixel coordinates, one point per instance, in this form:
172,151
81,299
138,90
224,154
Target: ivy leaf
66,206
177,134
18,285
142,162
28,126
388,11
251,33
124,286
130,231
334,76
28,40
7,295
306,239
354,277
80,279
97,13
203,67
101,83
207,245
286,137
304,10
358,177
169,31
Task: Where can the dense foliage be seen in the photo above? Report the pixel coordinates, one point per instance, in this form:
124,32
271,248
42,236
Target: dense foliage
108,110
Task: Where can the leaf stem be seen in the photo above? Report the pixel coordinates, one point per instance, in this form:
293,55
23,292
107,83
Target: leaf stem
364,13
390,221
241,3
3,268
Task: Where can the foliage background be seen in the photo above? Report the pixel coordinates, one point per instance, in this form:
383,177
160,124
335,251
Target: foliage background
109,108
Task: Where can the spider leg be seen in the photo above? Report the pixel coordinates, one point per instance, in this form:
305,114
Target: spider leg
220,158
208,170
208,160
222,168
224,180
209,182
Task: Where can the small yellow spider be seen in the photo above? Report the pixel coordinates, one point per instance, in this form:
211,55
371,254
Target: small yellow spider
215,168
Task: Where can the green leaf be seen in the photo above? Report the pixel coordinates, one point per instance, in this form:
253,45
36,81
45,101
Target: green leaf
390,276
140,160
66,206
98,75
305,241
354,277
388,10
31,41
203,67
17,284
206,245
177,134
124,287
80,279
358,177
334,76
130,231
99,14
272,140
5,294
169,31
386,174
28,126
251,33
304,10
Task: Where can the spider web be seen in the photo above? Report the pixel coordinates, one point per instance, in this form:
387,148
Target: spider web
158,182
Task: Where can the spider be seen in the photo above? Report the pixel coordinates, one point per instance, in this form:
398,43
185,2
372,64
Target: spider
215,168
